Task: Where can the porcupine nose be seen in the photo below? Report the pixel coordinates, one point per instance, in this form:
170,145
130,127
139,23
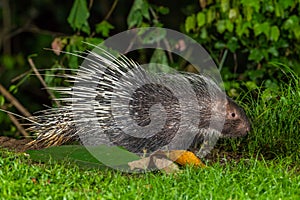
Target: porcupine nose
247,127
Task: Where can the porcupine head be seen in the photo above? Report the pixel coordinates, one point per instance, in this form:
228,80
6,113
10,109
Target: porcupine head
121,79
220,116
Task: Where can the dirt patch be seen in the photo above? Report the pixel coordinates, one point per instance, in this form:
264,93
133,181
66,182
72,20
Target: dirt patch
222,156
13,144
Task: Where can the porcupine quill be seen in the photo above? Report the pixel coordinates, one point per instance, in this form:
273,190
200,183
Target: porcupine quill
114,100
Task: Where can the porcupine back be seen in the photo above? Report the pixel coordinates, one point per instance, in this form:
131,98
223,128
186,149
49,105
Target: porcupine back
115,101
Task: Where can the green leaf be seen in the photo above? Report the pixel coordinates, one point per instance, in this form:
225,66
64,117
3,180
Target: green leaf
2,100
104,27
200,19
233,13
211,15
296,31
265,53
291,22
257,29
221,26
79,15
269,7
139,9
262,28
225,5
275,33
78,154
271,85
154,36
134,19
251,85
204,34
248,11
254,75
267,94
163,10
229,25
94,41
233,44
287,3
159,62
279,11
220,45
72,60
253,3
273,51
8,61
144,8
13,89
256,55
242,29
190,23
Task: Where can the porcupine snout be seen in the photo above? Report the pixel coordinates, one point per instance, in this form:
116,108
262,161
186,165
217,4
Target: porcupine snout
236,122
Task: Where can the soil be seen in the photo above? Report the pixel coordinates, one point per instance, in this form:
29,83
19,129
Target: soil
13,144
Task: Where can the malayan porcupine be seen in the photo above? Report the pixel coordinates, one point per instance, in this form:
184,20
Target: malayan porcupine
113,99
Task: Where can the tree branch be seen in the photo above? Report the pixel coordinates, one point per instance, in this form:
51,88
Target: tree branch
31,63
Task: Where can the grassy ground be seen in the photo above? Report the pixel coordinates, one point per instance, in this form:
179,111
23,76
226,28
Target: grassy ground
268,165
247,179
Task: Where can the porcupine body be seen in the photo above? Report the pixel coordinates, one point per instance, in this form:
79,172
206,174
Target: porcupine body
116,101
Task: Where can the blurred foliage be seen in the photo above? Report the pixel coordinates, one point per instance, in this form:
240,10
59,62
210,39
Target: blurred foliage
243,37
249,35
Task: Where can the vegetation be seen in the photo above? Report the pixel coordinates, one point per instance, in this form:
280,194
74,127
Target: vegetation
248,179
256,47
244,40
267,166
275,114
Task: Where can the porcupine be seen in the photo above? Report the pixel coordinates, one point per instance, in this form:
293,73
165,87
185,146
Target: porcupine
93,105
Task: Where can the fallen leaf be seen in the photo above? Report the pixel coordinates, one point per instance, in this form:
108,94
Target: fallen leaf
184,157
156,161
164,161
139,164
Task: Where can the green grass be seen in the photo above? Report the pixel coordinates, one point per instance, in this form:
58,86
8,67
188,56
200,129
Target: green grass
275,115
269,168
247,179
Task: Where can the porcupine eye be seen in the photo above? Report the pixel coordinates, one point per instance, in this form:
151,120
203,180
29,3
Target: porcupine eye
233,115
